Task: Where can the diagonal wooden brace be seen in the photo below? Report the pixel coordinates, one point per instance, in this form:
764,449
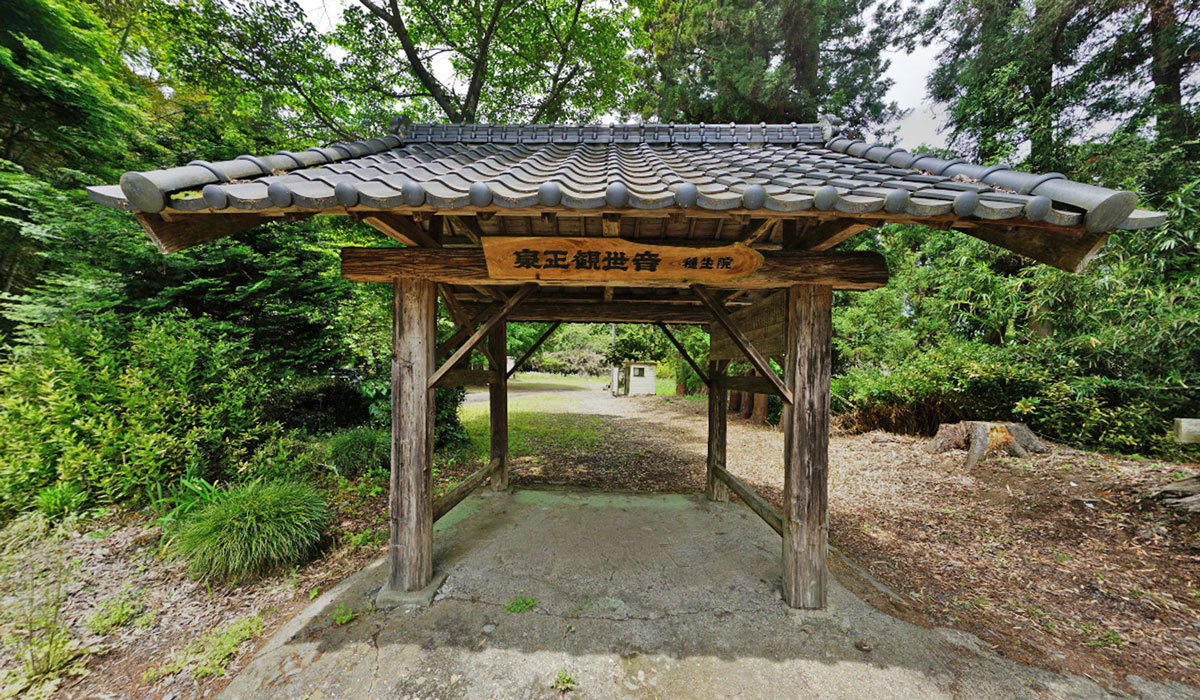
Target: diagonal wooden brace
679,346
461,319
481,332
464,331
533,348
739,338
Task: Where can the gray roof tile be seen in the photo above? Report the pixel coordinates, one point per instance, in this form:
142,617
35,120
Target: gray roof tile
776,167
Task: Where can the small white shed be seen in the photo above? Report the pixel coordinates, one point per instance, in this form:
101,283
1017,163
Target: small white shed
639,378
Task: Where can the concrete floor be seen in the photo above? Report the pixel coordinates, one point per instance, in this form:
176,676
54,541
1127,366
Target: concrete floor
637,597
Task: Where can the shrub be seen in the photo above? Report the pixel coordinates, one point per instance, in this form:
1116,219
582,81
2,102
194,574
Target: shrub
359,451
253,529
60,500
123,416
285,457
319,405
571,361
448,429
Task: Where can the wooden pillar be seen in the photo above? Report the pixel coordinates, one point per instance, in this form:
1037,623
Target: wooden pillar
410,549
806,446
714,488
498,404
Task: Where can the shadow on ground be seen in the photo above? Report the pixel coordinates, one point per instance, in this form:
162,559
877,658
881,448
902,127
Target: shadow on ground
639,596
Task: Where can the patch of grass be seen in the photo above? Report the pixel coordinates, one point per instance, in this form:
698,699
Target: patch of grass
116,612
252,530
360,451
210,654
60,500
39,640
520,604
564,682
1107,638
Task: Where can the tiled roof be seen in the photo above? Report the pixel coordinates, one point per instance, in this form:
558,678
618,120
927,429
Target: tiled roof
768,168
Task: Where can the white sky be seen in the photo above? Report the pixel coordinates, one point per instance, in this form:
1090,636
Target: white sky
909,71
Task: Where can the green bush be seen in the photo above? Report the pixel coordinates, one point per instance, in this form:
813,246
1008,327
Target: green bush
359,451
319,405
123,416
253,529
972,381
60,500
448,429
570,361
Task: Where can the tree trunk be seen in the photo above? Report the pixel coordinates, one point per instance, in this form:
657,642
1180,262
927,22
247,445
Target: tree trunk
1166,69
760,409
980,438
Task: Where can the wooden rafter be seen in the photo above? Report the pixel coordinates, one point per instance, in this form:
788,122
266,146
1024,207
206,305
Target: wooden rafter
401,228
739,338
827,234
757,229
470,228
482,331
177,233
682,351
533,348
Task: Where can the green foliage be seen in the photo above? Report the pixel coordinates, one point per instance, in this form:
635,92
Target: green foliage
127,606
570,361
520,604
744,61
65,97
253,529
60,500
961,380
637,343
360,451
343,614
208,655
564,682
319,405
122,417
191,495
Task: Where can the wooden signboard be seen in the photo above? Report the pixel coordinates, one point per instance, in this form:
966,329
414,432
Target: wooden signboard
613,260
763,322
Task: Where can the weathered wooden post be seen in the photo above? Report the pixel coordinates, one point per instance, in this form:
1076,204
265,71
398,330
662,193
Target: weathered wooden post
718,400
806,445
410,549
498,404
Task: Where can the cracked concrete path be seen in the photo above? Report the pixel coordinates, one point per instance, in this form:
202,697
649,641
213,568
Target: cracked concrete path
636,597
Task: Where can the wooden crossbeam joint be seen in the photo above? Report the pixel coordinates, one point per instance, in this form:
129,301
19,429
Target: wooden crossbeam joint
481,332
460,317
739,338
683,351
828,234
610,225
400,228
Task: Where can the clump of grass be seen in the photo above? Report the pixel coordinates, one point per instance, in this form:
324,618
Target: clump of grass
359,451
251,530
40,641
564,682
520,604
60,500
208,655
114,613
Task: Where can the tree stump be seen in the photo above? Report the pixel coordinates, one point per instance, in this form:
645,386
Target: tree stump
980,438
1183,494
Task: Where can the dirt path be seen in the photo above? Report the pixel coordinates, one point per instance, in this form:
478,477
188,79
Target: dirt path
1055,561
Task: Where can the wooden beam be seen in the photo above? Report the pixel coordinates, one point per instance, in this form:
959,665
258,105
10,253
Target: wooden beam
718,422
764,323
532,349
757,229
1067,253
470,228
599,312
752,385
400,228
410,544
827,234
806,446
683,351
467,377
750,497
610,225
446,502
780,269
760,363
460,317
498,404
499,316
181,232
464,331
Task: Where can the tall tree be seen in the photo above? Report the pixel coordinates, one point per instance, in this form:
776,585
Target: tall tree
499,60
750,61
